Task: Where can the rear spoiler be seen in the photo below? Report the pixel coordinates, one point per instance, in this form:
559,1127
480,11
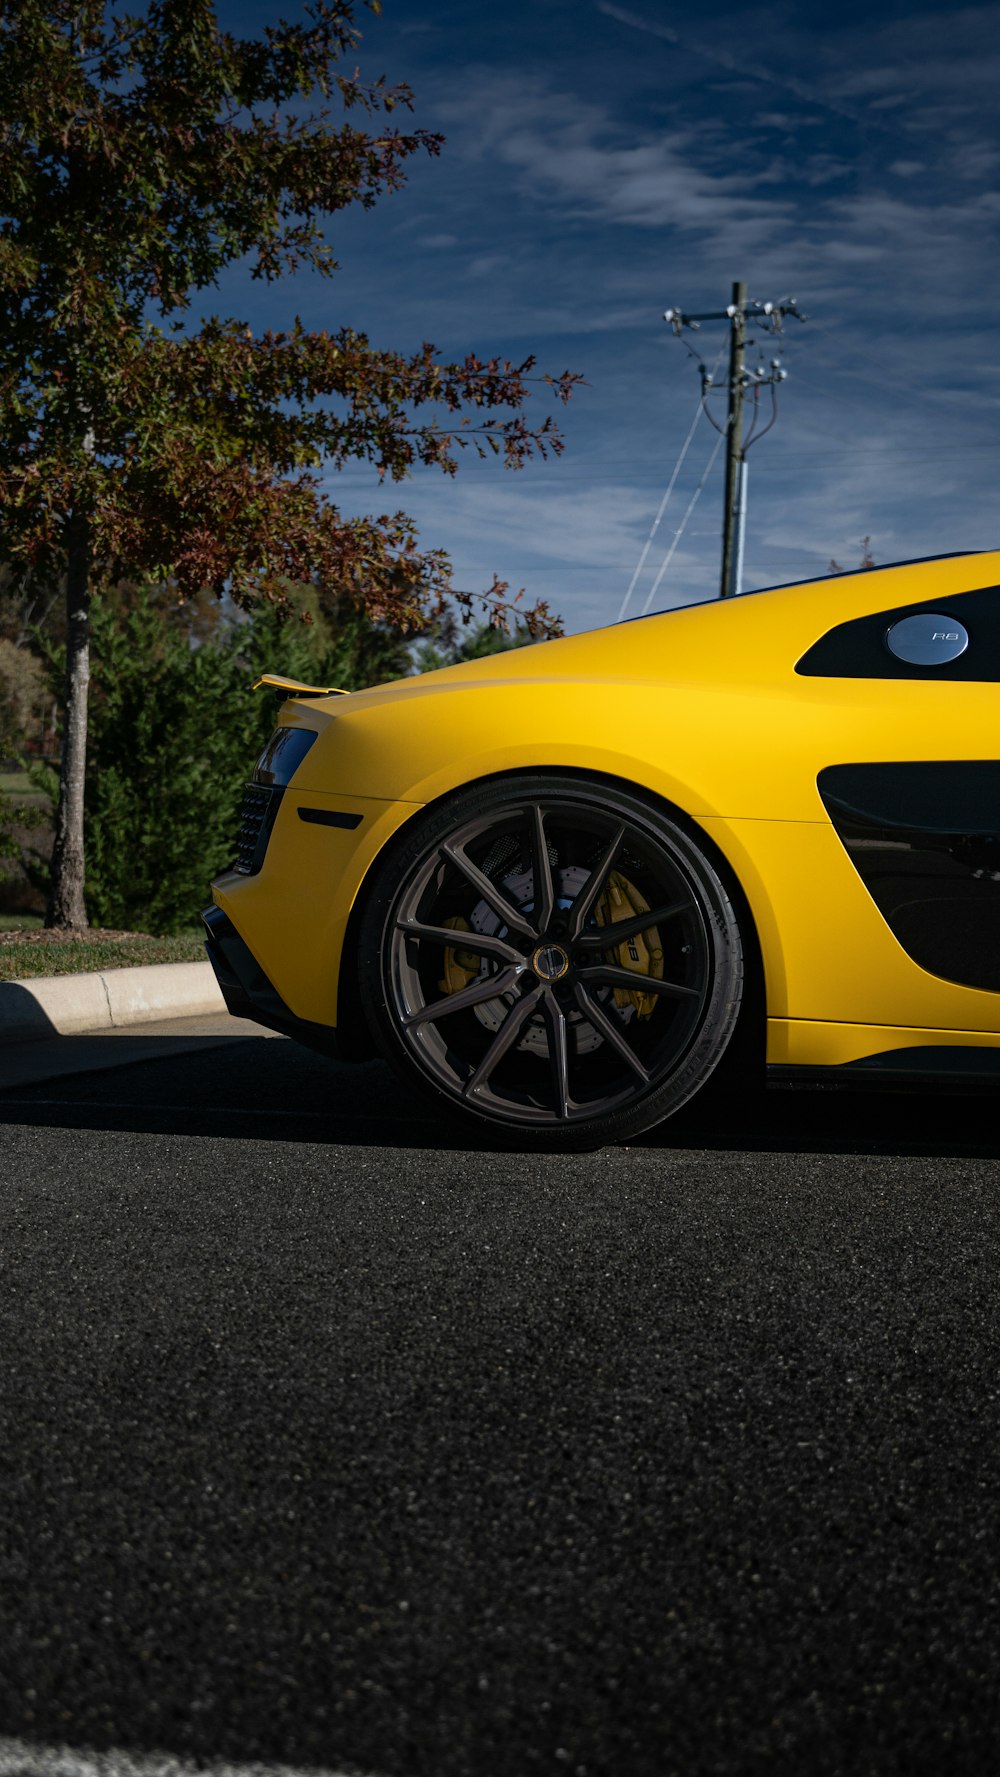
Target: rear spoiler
295,688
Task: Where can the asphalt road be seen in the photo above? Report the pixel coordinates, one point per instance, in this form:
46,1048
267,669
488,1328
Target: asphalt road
328,1442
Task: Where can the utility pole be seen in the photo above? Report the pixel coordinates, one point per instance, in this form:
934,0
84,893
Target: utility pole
734,512
768,316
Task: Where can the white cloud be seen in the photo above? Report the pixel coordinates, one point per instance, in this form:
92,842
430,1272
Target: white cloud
852,252
572,153
785,120
484,265
975,160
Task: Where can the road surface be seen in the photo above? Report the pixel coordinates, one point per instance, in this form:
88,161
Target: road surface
331,1442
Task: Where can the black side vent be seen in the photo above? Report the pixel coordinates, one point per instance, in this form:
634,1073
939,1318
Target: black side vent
260,807
925,840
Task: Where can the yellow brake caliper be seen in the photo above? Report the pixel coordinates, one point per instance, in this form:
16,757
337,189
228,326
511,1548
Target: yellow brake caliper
642,954
460,966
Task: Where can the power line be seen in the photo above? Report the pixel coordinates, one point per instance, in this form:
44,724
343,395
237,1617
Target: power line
679,464
678,534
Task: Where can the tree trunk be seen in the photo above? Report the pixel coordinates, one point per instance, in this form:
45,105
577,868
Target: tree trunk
66,904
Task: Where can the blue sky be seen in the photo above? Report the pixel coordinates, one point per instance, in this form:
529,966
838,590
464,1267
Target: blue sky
606,160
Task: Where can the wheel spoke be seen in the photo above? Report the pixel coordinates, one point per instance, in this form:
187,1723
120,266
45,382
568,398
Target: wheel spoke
580,910
550,1028
545,899
480,943
608,975
493,896
602,1022
609,937
558,1053
505,1039
474,995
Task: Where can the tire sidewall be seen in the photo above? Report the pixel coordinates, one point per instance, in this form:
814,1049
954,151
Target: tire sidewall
709,1041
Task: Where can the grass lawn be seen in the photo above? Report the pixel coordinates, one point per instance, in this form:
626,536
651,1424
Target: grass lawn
34,952
17,783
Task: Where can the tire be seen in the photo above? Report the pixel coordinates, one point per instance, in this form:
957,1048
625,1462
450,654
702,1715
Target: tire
552,959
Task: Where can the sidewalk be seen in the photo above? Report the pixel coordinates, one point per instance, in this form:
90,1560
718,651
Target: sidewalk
53,1025
44,1006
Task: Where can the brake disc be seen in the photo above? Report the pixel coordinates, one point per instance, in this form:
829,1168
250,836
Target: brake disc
520,888
642,955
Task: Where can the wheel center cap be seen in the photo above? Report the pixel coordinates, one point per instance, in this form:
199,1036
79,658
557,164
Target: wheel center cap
550,962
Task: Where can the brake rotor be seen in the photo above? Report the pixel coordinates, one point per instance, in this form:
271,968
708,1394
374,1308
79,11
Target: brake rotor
519,887
641,954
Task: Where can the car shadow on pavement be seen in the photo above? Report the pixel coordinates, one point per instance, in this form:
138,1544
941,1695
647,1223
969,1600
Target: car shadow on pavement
834,1120
21,1012
269,1090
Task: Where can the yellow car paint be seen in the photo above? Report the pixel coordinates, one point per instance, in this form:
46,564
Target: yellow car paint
296,687
701,709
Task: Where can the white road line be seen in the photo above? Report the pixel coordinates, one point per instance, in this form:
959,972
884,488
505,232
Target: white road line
18,1758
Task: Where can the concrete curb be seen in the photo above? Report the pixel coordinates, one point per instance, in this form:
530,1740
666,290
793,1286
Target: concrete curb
66,1005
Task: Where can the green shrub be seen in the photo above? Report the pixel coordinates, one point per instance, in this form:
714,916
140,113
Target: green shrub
171,729
174,732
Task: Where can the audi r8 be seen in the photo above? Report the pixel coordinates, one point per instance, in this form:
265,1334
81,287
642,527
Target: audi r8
556,888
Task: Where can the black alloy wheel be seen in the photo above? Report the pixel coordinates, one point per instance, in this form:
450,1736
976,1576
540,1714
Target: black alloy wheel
551,956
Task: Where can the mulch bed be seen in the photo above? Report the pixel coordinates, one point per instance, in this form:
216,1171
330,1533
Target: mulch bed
63,935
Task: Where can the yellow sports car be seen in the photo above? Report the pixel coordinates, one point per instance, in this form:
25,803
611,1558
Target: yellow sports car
556,886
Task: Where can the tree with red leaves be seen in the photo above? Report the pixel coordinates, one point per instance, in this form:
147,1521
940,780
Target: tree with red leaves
140,155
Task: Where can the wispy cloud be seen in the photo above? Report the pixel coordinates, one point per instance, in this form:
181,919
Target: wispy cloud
575,155
784,120
741,65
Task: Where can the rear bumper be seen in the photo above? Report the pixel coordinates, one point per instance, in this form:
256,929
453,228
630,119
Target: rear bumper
247,991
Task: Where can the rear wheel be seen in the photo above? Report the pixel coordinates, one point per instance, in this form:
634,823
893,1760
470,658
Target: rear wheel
552,957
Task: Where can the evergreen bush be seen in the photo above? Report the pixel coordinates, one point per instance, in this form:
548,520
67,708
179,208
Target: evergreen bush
174,732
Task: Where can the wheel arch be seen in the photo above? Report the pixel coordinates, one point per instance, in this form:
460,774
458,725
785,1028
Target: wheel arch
749,1041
